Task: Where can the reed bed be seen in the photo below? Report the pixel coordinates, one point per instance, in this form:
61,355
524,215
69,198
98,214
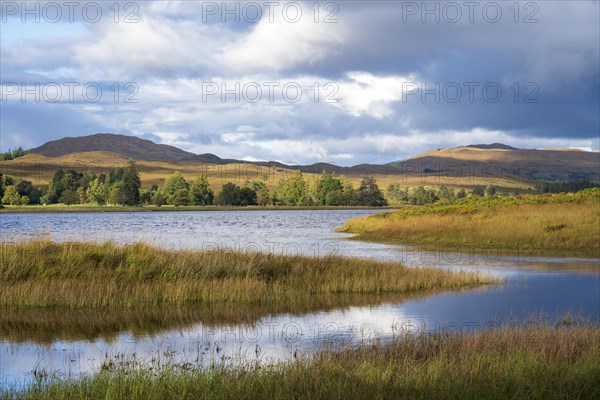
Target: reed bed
543,362
90,275
563,223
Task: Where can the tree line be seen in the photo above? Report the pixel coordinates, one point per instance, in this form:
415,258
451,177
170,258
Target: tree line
326,190
12,154
421,195
122,186
565,186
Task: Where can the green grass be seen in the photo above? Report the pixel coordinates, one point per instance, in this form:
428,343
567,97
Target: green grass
563,223
541,362
90,275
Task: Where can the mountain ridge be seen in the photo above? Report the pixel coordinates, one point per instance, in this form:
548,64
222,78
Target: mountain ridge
478,159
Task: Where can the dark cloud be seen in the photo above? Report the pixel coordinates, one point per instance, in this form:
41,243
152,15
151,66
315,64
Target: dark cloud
173,50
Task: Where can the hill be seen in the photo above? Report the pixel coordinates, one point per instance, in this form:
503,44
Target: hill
503,166
498,160
128,146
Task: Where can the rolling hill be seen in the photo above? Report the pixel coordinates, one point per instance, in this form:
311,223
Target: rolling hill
480,164
499,160
128,146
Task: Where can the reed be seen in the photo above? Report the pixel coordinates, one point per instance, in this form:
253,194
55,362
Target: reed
543,362
90,275
553,223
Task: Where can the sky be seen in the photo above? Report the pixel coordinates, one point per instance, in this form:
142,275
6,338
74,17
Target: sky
345,82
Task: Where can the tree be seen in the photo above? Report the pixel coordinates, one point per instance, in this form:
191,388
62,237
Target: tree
115,175
159,198
69,197
61,181
247,197
12,154
131,184
255,184
461,194
326,184
146,196
395,193
294,190
424,196
181,197
117,194
349,196
369,193
490,191
98,192
230,195
445,193
200,192
25,188
477,191
12,197
4,182
174,183
82,195
263,197
334,198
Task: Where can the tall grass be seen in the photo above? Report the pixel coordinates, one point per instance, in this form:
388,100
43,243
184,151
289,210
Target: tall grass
536,363
567,223
89,275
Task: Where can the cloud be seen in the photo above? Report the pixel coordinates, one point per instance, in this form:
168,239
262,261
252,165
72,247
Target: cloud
368,94
367,58
280,45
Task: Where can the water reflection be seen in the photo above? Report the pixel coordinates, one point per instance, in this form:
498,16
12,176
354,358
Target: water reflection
74,342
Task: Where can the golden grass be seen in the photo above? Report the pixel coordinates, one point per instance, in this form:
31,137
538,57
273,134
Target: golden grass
87,275
535,363
568,223
40,170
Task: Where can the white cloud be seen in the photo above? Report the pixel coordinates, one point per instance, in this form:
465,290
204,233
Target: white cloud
172,138
281,45
369,94
236,137
154,45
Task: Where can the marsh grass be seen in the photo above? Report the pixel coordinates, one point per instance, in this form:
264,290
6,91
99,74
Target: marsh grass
90,275
536,362
552,223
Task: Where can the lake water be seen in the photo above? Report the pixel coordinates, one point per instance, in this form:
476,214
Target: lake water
71,344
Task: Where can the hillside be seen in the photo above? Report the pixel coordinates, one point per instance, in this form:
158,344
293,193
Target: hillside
463,167
499,160
128,146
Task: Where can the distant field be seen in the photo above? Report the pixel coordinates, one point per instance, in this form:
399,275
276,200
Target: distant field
40,170
565,223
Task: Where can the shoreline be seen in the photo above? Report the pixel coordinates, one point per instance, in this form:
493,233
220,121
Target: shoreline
108,209
564,225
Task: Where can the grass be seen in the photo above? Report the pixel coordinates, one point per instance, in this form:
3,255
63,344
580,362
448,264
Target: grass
40,170
542,362
90,275
551,223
